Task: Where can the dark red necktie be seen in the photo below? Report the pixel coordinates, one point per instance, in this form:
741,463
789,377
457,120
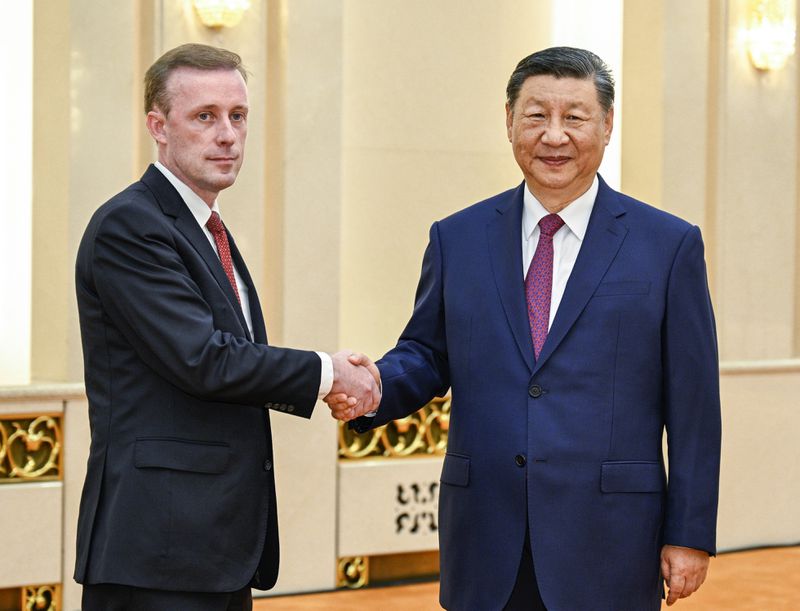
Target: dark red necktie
217,230
539,281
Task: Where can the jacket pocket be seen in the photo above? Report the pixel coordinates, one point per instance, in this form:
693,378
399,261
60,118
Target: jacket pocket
632,476
455,470
181,454
629,287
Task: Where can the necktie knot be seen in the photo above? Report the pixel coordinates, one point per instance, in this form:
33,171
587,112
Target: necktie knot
550,224
214,224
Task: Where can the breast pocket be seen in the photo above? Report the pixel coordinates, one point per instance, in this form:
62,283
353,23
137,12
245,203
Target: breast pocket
625,287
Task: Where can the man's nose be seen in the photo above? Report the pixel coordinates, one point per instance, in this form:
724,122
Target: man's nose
554,133
225,132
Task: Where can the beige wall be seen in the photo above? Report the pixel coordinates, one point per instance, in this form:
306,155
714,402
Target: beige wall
711,139
423,136
373,119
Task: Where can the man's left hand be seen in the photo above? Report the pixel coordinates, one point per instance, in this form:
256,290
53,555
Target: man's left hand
684,570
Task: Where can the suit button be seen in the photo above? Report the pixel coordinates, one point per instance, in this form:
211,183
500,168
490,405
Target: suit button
535,391
520,460
268,465
290,408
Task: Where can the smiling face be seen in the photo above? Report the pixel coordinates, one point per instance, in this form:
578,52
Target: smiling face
558,132
201,139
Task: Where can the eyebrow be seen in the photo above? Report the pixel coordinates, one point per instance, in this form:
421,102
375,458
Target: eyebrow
539,102
201,107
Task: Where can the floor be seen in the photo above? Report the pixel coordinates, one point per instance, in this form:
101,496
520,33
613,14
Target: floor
758,580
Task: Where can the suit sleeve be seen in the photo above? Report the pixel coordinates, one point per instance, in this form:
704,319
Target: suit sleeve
692,403
416,370
149,295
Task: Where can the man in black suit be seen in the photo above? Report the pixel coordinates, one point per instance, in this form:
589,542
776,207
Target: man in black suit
178,509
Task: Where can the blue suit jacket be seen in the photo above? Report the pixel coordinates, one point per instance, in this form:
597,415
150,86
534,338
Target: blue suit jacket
571,442
180,489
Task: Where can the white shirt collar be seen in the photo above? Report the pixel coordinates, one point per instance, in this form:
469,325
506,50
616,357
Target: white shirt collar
575,214
199,209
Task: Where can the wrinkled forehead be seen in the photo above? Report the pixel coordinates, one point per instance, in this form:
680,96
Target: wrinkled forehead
549,90
196,87
184,77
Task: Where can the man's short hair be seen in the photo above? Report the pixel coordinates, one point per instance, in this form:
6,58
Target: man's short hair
191,55
564,62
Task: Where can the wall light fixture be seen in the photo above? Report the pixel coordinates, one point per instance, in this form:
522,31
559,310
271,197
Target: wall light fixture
221,13
770,33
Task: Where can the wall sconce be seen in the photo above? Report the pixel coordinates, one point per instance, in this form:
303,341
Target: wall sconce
770,33
220,13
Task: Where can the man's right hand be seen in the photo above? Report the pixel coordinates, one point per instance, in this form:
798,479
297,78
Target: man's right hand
355,389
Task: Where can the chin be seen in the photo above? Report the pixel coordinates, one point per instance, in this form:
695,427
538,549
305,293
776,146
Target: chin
223,182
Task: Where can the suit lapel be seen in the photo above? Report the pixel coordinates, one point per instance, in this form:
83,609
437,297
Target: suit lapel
604,236
505,253
173,205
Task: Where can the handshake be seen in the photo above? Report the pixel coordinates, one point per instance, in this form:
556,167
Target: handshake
356,386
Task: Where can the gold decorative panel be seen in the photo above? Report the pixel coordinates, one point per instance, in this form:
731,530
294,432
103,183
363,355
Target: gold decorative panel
31,598
359,571
41,598
422,433
352,572
30,448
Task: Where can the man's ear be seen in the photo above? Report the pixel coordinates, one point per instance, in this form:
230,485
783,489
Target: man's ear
608,124
509,120
156,121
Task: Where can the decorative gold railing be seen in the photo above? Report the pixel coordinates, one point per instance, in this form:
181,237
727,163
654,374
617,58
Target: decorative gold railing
30,447
41,598
422,433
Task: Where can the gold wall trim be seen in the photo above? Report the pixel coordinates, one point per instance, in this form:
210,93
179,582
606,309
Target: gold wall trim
355,572
30,448
760,366
409,565
31,598
41,598
352,572
422,433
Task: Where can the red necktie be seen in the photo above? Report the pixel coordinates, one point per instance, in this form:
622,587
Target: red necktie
217,229
539,281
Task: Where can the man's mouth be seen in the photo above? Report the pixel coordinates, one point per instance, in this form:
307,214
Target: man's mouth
554,160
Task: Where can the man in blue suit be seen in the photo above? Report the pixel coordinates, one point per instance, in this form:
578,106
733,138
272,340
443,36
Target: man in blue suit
573,325
178,509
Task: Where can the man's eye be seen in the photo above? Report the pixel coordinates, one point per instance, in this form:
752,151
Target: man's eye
574,118
204,116
238,116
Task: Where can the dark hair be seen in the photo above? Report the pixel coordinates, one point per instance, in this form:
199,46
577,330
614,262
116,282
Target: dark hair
191,55
562,62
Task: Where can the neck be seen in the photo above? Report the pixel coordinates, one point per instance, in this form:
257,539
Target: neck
555,200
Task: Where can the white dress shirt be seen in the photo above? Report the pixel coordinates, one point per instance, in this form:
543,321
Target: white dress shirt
566,241
201,212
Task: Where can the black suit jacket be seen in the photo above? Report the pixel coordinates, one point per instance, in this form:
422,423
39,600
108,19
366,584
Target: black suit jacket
180,489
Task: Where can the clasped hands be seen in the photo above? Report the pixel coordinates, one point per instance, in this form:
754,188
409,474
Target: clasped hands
356,386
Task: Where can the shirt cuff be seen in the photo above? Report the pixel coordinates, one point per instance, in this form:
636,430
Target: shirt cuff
374,412
325,375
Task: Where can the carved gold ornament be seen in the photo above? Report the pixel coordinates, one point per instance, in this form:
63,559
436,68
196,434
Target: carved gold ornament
30,448
421,433
352,572
41,598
